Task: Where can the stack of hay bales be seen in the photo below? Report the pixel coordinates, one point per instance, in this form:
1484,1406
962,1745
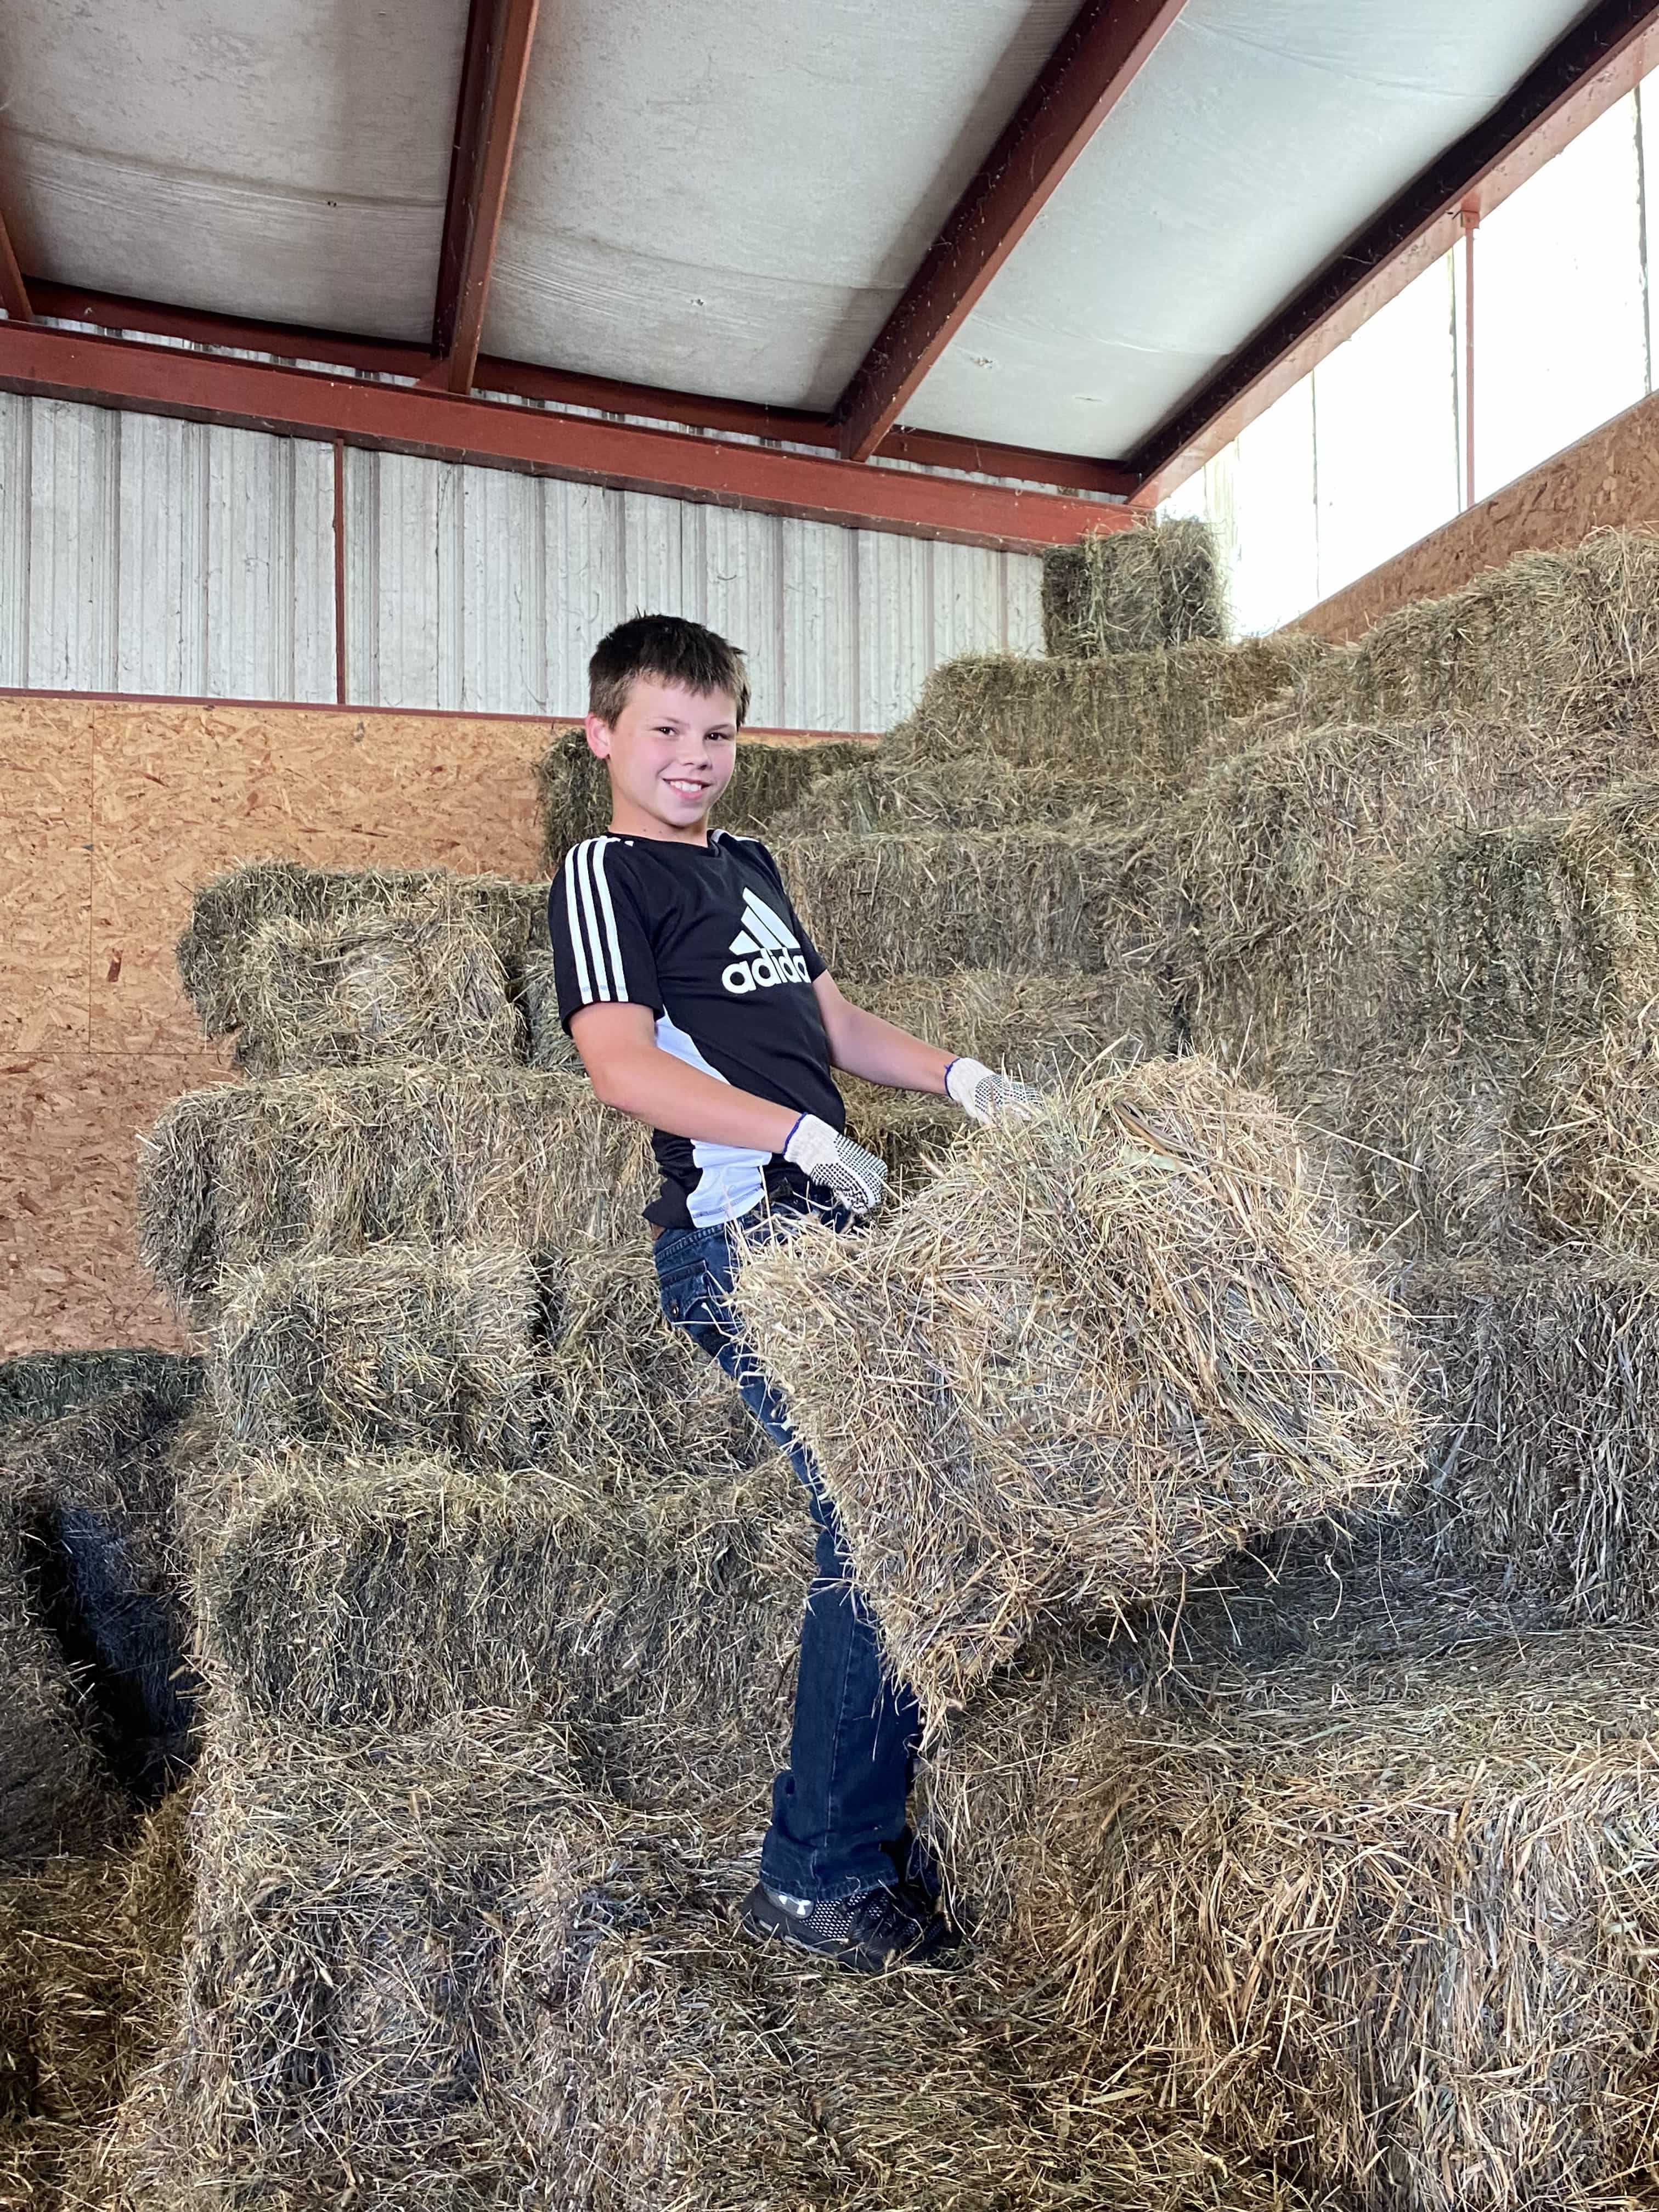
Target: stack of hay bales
497,1595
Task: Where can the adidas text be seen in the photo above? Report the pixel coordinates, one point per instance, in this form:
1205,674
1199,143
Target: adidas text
764,970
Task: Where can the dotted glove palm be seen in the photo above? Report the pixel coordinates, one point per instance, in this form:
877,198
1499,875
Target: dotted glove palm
985,1096
853,1177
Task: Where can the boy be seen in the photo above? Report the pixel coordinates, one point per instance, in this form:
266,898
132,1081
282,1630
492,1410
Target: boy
699,1006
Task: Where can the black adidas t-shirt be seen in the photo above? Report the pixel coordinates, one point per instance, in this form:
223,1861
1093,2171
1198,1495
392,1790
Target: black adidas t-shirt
706,937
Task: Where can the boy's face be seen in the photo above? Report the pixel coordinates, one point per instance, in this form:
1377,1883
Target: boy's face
671,753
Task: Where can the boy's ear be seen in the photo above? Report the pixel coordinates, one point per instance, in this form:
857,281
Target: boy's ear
598,737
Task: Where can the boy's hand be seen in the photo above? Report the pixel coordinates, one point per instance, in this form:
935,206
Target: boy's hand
985,1096
854,1178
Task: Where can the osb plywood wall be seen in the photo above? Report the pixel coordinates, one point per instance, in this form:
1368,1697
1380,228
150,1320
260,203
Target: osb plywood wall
1610,478
110,812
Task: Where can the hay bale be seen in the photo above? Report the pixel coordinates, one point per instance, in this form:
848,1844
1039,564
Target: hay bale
421,980
237,1177
1090,1356
399,1348
1556,640
38,1386
1042,1028
88,1955
213,951
928,901
398,1591
433,1968
1388,1915
572,791
1133,590
94,1494
1543,1460
1143,718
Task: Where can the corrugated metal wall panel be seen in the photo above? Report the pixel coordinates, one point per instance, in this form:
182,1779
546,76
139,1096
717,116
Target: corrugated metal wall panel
145,555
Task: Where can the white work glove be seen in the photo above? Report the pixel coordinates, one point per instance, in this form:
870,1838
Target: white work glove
985,1096
854,1178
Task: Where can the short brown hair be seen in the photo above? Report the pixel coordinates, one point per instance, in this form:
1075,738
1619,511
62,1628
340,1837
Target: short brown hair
673,650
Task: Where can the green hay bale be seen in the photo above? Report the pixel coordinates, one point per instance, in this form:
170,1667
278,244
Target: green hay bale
1543,1459
572,791
395,1349
88,1956
1133,590
1091,1355
433,1968
1141,718
213,952
1554,639
38,1386
926,902
421,980
1389,1917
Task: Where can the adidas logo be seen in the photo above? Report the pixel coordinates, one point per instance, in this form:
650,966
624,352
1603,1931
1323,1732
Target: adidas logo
769,952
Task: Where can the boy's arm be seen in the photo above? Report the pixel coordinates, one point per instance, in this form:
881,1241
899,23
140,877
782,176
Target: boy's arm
629,1070
861,1043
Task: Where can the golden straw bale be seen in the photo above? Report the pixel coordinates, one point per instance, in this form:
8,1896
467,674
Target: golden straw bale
1387,1915
1133,590
1089,1355
418,982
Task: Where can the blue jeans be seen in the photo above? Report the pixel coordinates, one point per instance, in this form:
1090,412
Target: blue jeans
838,1810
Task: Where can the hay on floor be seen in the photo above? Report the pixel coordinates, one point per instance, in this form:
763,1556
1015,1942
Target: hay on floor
1091,1355
213,952
1555,639
572,791
1133,590
400,1348
421,980
89,1951
1388,1917
433,1968
38,1386
94,1493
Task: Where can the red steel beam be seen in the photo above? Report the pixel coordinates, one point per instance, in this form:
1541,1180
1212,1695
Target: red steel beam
560,387
498,39
1583,74
1082,81
446,426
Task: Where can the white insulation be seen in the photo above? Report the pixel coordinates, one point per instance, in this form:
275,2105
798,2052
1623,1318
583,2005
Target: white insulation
141,554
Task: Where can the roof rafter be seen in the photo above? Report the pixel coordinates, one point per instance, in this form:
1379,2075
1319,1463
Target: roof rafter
559,387
14,292
1583,74
499,33
302,403
1095,63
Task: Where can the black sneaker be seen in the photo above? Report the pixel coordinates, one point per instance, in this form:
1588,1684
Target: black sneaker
868,1933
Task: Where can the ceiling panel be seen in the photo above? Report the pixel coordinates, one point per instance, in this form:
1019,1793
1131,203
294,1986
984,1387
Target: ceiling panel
723,199
1261,135
287,159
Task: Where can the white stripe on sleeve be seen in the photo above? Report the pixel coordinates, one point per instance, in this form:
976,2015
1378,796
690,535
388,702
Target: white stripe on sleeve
595,941
583,979
604,888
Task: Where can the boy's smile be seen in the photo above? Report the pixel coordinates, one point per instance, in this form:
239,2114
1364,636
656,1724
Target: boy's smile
671,753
